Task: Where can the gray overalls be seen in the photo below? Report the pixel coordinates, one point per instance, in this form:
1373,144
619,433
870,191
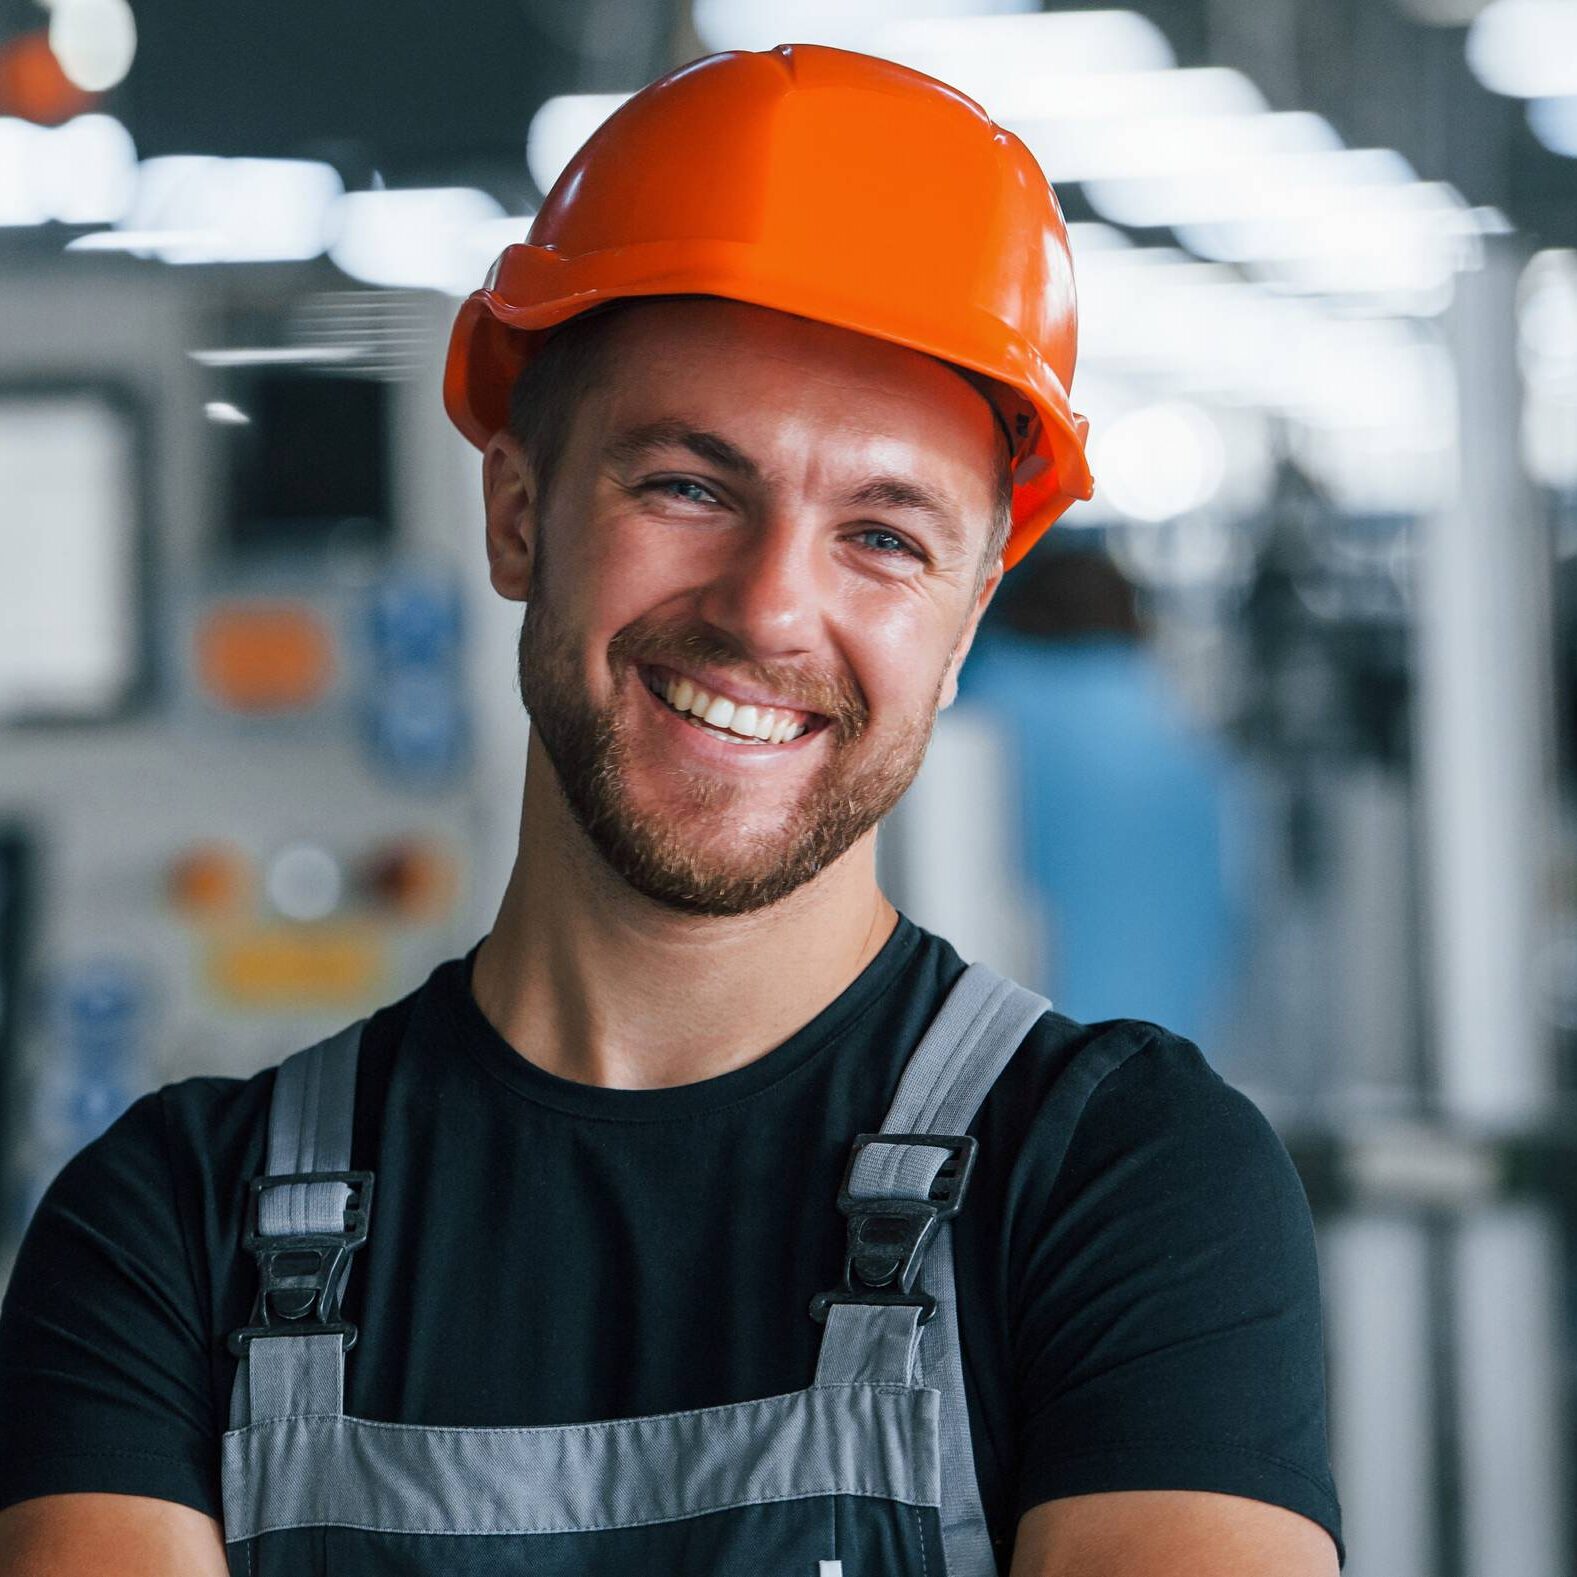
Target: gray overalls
867,1471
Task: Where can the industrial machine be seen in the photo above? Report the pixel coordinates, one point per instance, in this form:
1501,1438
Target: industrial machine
261,748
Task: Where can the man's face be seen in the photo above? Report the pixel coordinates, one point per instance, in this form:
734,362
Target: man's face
755,509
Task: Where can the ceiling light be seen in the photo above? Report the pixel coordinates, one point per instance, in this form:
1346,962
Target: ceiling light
1160,461
88,170
418,239
21,199
1526,49
198,209
845,24
1125,95
1165,171
1010,60
81,173
1554,123
95,41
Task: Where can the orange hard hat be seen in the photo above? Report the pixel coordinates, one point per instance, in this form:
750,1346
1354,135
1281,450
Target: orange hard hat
823,183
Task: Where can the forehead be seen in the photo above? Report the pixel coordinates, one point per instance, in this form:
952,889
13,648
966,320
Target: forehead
781,382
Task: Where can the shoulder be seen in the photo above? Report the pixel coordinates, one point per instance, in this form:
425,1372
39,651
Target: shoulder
157,1146
172,1169
1119,1140
1131,1089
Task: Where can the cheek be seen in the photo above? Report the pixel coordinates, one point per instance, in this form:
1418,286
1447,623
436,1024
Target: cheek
897,657
610,580
629,568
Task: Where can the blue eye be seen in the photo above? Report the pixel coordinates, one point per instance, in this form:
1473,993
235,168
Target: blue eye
899,546
681,481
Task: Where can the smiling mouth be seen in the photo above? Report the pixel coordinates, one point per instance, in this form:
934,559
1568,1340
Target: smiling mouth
738,723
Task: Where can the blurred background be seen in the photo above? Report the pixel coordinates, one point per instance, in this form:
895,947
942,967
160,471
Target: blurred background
1271,743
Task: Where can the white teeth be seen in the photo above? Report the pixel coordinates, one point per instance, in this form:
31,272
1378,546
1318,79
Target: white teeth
747,722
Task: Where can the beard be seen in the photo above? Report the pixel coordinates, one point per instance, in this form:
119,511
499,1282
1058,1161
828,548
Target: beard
669,856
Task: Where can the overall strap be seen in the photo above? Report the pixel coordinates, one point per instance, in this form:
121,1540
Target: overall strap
900,1191
307,1215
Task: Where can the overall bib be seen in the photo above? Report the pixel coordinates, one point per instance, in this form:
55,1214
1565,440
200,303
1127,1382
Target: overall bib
867,1471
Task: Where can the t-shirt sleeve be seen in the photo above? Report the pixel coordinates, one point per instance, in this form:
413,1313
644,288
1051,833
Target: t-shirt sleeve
104,1364
1169,1330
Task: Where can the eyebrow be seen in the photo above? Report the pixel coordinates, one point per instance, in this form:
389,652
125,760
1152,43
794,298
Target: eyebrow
891,492
673,433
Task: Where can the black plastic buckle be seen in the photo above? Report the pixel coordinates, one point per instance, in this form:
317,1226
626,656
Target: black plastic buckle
303,1274
888,1238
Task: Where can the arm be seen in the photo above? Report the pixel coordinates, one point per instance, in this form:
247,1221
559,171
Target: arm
110,1366
1169,1362
108,1536
1169,1533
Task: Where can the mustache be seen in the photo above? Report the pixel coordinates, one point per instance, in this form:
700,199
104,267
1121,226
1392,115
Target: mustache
808,690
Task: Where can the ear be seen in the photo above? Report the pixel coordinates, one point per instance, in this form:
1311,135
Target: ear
967,636
510,495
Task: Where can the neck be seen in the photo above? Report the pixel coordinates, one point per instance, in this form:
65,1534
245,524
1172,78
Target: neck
592,981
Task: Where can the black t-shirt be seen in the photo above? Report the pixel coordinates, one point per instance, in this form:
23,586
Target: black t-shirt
1138,1298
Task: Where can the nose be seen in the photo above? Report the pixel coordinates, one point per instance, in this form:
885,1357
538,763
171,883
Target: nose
768,589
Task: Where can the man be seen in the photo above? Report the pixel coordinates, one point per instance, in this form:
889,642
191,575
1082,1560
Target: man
754,545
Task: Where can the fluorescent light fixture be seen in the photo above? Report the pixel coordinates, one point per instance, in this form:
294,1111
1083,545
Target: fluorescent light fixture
1087,237
1283,190
1367,401
226,414
95,41
1547,355
1399,251
1547,321
1167,171
1378,429
277,355
1153,316
1018,61
22,200
1526,49
144,243
1160,461
1109,126
81,173
417,239
1163,322
845,24
1282,207
1549,440
88,168
1124,95
200,209
1554,123
558,129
